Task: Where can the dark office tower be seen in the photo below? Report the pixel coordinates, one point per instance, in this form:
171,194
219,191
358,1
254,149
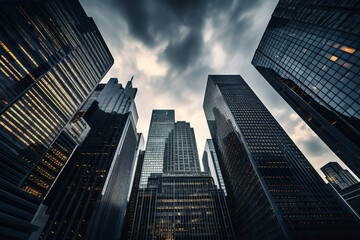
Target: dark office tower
90,198
175,206
162,121
51,57
273,191
338,177
310,54
181,154
211,164
129,218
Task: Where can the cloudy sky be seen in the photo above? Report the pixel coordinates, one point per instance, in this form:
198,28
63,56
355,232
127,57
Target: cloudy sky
172,45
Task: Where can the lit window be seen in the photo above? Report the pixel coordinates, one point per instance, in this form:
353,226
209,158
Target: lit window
336,45
333,58
348,49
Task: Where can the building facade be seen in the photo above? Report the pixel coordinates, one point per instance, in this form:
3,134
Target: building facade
273,191
338,177
162,122
129,218
180,202
181,154
177,206
310,54
52,57
90,198
115,98
211,161
352,196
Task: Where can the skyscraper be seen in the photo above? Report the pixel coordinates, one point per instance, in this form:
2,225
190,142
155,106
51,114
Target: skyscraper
179,206
338,177
90,199
162,122
211,161
114,98
273,191
344,183
310,54
52,57
182,202
129,217
181,154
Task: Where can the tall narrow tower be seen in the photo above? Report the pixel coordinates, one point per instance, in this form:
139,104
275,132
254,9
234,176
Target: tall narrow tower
181,154
162,122
273,191
182,202
90,198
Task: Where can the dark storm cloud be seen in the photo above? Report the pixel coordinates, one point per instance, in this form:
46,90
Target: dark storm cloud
164,21
137,18
314,146
172,45
183,53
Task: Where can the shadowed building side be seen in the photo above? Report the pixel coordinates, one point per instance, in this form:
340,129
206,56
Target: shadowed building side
273,191
52,58
310,54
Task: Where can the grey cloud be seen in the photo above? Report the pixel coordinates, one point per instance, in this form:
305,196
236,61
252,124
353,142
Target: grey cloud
176,30
314,146
159,22
186,52
137,17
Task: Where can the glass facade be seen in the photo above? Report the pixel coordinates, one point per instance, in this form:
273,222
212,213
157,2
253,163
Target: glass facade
338,177
211,161
310,54
162,122
181,154
90,198
129,218
273,191
52,57
352,196
176,206
114,98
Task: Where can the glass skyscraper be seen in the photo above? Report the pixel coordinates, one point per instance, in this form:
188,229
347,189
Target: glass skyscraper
129,217
338,177
178,201
178,206
181,154
273,191
211,164
162,122
114,98
182,202
344,183
310,54
52,56
90,198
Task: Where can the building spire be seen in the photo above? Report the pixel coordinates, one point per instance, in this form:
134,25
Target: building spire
129,84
